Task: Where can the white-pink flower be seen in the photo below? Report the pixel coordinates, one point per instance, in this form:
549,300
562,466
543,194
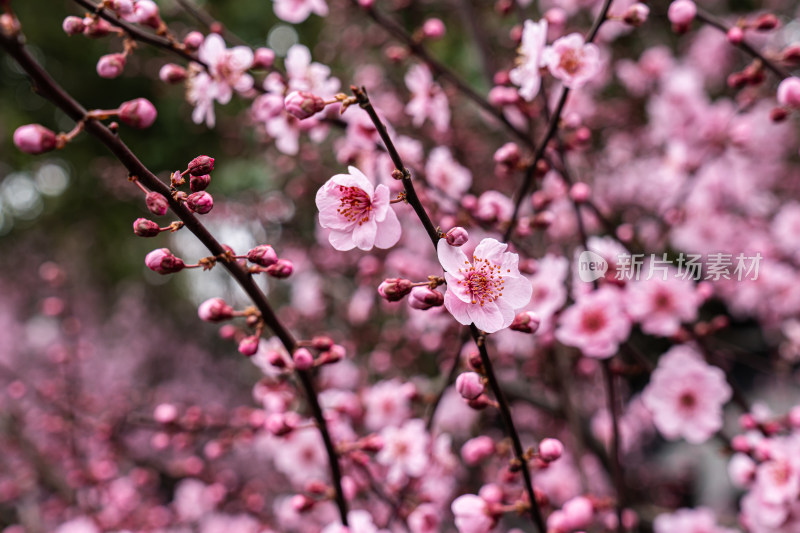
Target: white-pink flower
295,11
487,291
686,395
405,450
700,520
428,100
472,514
227,72
660,305
526,75
596,323
572,61
444,173
358,214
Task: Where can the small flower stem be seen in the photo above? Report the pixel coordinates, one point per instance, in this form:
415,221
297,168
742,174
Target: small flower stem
508,422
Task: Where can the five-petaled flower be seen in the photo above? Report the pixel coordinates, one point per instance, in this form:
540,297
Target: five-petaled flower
572,60
487,291
357,213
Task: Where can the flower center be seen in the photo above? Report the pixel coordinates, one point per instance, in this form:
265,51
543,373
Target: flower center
663,301
593,320
482,280
570,62
354,204
687,400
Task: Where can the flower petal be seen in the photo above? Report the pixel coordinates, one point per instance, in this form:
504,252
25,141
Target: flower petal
364,234
457,308
451,257
389,231
341,240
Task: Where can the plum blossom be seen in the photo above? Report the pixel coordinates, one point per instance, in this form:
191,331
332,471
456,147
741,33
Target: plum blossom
596,323
472,514
358,214
686,395
699,520
428,100
227,72
294,11
387,404
531,55
405,450
487,291
359,521
444,173
572,61
660,305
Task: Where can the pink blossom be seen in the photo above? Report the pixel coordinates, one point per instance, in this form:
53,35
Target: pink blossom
405,450
358,214
660,305
596,323
428,100
789,93
425,519
686,395
472,514
550,449
531,58
295,11
307,75
227,73
387,404
446,174
699,520
476,450
572,61
486,292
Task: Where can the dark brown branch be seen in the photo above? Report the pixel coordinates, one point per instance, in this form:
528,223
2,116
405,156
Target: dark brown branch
616,465
52,91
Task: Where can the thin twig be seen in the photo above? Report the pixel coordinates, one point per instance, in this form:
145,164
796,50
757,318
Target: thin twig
616,465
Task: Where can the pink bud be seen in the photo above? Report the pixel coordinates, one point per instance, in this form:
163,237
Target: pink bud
280,424
214,310
457,236
165,413
747,421
394,289
469,385
172,73
476,450
156,203
73,25
742,470
508,155
200,202
735,35
556,17
193,40
333,355
580,192
740,443
424,298
636,15
789,93
34,139
322,342
281,269
123,7
146,13
501,95
526,322
579,512
263,255
111,65
301,503
303,360
138,113
550,449
766,22
303,104
96,27
433,29
248,346
681,13
145,228
263,58
791,54
366,3
200,165
163,262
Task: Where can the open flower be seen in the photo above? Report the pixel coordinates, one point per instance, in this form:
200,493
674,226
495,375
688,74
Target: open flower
526,74
596,323
357,214
486,292
572,61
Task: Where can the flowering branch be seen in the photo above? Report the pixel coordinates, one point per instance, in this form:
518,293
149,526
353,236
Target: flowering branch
52,91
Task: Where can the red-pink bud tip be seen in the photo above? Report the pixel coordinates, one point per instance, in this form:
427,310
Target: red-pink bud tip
457,236
73,25
681,13
138,113
281,269
394,289
302,104
263,255
156,203
145,228
526,322
200,202
263,58
200,165
248,346
215,310
433,29
163,262
302,358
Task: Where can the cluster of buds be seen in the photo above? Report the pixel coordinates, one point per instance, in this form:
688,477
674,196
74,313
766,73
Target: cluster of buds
423,294
198,200
37,139
753,74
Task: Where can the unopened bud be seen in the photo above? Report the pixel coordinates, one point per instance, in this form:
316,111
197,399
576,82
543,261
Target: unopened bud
248,346
302,503
788,93
457,236
172,73
433,29
636,15
200,165
111,65
145,228
526,322
766,22
156,203
281,269
508,155
263,58
96,27
139,113
394,289
303,104
469,385
302,358
681,13
200,202
163,262
73,25
424,298
735,35
34,139
280,424
580,192
550,449
322,343
215,310
193,40
263,255
199,183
